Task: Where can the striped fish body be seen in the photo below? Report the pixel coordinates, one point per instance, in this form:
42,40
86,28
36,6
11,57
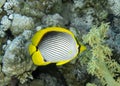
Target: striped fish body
54,45
57,46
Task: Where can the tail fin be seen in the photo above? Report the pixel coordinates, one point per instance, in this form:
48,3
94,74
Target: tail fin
82,48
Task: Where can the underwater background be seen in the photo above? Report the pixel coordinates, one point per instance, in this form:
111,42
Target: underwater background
95,23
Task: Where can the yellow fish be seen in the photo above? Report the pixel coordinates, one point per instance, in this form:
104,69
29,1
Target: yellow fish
54,45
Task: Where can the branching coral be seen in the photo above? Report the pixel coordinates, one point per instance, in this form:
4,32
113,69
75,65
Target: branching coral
101,64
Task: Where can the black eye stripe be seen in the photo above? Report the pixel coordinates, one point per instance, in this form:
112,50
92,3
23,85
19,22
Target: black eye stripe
79,48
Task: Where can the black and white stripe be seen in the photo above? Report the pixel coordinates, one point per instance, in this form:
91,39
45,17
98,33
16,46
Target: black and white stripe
56,46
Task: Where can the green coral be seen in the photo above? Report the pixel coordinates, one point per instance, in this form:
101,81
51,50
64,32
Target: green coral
101,64
91,84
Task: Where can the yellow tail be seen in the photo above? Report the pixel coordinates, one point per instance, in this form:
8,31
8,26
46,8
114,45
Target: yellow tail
82,48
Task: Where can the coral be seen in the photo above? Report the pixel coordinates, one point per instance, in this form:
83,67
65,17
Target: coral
11,5
53,20
46,79
78,3
91,84
2,41
19,19
81,19
114,35
24,77
88,12
49,79
3,80
100,64
5,25
33,8
21,23
74,73
1,75
1,3
16,60
115,7
116,44
83,22
2,33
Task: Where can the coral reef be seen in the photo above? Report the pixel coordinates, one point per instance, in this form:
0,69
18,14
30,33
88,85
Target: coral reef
20,19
